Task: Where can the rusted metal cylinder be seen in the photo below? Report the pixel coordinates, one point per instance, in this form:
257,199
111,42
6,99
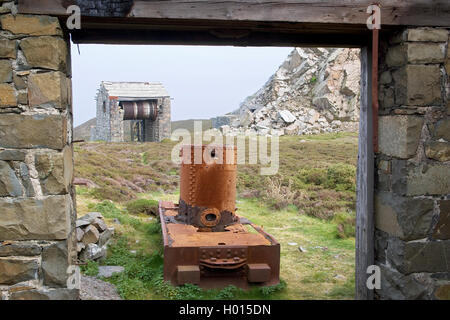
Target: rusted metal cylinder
140,110
208,186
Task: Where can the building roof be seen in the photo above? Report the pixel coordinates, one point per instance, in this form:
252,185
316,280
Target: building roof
135,90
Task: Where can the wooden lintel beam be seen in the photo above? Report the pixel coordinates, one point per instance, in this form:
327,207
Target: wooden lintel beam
346,12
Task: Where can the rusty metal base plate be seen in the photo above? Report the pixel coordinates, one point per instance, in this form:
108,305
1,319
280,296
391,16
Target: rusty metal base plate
243,254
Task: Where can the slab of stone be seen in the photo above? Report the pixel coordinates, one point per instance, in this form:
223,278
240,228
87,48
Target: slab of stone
81,223
91,216
418,85
99,224
33,131
442,129
35,219
419,256
92,252
49,88
398,286
442,229
437,150
403,217
432,179
19,248
7,96
55,171
427,34
79,234
19,81
46,294
287,116
91,235
8,49
33,25
109,271
399,135
6,71
420,53
12,155
9,183
14,270
55,261
105,236
45,52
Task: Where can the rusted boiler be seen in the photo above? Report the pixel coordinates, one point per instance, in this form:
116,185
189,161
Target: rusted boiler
205,242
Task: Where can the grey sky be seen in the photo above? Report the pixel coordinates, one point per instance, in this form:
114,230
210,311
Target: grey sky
203,81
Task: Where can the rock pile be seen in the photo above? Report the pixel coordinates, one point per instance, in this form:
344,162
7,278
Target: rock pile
315,90
93,236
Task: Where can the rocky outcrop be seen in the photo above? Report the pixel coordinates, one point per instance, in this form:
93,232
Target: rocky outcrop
315,90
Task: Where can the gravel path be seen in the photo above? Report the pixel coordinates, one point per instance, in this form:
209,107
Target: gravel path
96,289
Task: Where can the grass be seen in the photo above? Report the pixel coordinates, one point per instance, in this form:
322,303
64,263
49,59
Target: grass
310,204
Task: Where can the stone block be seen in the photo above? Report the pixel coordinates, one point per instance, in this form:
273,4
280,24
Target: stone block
105,236
91,235
396,56
19,81
35,219
420,53
12,155
442,129
22,98
439,151
19,248
15,270
32,25
46,294
55,261
419,256
432,179
397,286
5,71
7,96
79,234
443,292
45,52
427,35
50,88
8,49
9,183
418,85
406,218
442,229
55,171
99,224
33,131
399,135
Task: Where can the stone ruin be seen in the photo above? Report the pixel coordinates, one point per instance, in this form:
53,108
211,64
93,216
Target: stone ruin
132,111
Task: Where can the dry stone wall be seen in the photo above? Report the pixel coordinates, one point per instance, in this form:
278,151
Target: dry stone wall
412,200
37,212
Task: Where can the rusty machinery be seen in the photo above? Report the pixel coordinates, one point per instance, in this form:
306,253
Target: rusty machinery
205,242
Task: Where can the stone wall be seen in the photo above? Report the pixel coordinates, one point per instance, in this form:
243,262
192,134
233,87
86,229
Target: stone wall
37,211
412,200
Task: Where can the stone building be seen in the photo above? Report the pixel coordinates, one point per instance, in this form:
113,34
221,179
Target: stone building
132,111
403,194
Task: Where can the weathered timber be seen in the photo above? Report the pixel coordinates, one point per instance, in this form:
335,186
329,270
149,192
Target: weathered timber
365,183
393,12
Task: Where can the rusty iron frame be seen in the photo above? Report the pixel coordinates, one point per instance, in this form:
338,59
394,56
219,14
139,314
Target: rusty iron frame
222,275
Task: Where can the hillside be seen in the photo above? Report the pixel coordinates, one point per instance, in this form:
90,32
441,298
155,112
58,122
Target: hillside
83,131
315,90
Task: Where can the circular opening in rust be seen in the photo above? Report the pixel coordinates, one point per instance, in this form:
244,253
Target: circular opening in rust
211,217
